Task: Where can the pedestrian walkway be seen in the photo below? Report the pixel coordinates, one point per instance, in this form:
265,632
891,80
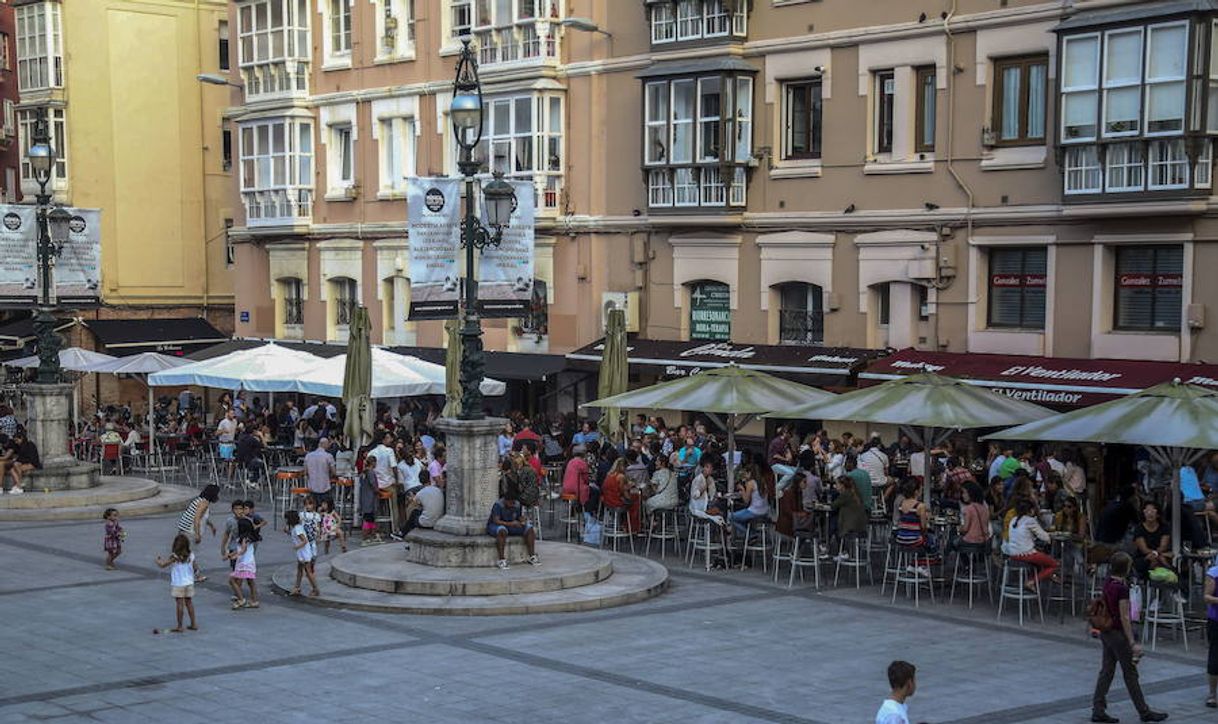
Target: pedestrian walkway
717,647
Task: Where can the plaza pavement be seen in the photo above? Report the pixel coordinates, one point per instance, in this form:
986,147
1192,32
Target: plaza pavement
77,644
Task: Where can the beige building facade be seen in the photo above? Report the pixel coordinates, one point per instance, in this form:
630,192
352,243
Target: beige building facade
1017,178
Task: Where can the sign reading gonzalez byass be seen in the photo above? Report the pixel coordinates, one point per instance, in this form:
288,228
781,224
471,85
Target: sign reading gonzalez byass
76,276
505,284
433,212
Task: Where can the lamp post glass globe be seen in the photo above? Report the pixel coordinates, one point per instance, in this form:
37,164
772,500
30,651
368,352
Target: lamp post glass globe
500,198
466,110
41,156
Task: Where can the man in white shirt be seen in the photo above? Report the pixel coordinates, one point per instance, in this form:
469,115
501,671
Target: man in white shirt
409,468
874,462
386,474
894,710
226,430
331,412
432,500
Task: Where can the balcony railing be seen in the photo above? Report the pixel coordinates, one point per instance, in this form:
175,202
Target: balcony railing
278,206
799,326
526,41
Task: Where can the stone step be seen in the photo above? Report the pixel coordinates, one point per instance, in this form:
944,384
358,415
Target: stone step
109,491
386,568
166,499
634,579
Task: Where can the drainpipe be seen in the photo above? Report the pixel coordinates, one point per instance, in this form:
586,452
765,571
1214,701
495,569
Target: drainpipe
203,159
940,283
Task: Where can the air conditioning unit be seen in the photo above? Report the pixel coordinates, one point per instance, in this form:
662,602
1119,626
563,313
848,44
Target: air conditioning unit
628,301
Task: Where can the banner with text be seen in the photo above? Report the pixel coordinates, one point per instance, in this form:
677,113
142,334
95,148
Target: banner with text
505,284
433,212
77,271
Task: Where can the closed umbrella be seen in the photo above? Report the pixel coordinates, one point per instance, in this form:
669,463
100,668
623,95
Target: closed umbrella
452,369
733,392
357,381
927,406
614,367
1173,421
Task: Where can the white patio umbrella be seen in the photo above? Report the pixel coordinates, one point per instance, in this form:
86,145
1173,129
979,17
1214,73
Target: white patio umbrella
144,364
269,368
393,375
73,359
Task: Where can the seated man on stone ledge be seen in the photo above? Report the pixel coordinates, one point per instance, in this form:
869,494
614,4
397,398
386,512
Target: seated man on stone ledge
25,454
425,508
508,519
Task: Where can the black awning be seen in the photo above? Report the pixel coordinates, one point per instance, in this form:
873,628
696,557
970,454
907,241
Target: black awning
19,332
725,64
500,365
179,336
808,364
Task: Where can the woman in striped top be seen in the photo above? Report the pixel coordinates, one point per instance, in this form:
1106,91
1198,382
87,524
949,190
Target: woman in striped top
197,515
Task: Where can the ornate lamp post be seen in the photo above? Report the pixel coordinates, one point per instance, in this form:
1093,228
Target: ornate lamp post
467,118
52,234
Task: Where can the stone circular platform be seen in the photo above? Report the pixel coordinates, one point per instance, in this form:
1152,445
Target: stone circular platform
577,571
129,495
386,568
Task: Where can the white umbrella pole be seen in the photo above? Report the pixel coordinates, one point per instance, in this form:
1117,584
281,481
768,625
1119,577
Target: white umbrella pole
151,428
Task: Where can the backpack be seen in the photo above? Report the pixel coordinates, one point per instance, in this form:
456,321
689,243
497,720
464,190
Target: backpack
1098,615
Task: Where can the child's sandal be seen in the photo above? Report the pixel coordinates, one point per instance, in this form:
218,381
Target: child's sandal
239,604
252,604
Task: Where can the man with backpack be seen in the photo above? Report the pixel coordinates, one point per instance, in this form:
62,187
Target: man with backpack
1109,614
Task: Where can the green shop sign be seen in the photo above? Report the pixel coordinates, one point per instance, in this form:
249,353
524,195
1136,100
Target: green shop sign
710,312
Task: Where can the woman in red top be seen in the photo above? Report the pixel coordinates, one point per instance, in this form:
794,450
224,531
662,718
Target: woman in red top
575,483
616,493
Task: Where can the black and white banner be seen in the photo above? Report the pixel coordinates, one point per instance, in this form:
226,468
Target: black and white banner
505,286
77,272
433,212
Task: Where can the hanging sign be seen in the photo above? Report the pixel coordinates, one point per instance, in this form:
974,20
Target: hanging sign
505,284
433,211
76,275
710,312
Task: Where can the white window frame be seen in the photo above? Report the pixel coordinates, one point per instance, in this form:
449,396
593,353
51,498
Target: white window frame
58,126
340,153
274,59
395,29
460,17
716,19
1125,161
39,31
529,35
1179,162
691,121
1082,170
659,187
1121,84
693,19
337,37
741,124
294,193
397,140
1203,172
656,126
663,20
547,122
1163,81
704,121
1080,90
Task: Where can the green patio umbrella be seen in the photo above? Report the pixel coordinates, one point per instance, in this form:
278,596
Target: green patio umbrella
357,381
613,372
928,407
1174,421
730,392
452,369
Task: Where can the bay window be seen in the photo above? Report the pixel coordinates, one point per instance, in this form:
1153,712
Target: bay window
1149,288
57,122
510,31
1128,123
274,47
697,140
39,46
522,137
682,20
277,171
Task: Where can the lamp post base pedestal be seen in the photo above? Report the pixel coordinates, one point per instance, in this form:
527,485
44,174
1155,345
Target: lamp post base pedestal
49,409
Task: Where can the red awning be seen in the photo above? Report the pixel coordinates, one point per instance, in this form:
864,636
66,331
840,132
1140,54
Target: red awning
1050,381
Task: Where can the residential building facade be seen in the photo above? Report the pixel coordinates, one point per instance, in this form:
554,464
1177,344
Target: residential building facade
1026,178
10,153
137,136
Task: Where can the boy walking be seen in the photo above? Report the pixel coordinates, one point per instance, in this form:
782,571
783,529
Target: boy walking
1119,646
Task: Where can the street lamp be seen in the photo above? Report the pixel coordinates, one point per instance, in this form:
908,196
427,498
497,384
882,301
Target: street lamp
467,116
53,226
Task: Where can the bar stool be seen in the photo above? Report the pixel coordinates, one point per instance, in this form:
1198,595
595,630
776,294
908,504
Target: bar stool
801,558
1017,590
780,541
344,497
386,496
701,539
908,570
112,453
667,530
890,562
286,478
760,526
612,529
298,496
1165,606
572,519
859,559
972,555
533,513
